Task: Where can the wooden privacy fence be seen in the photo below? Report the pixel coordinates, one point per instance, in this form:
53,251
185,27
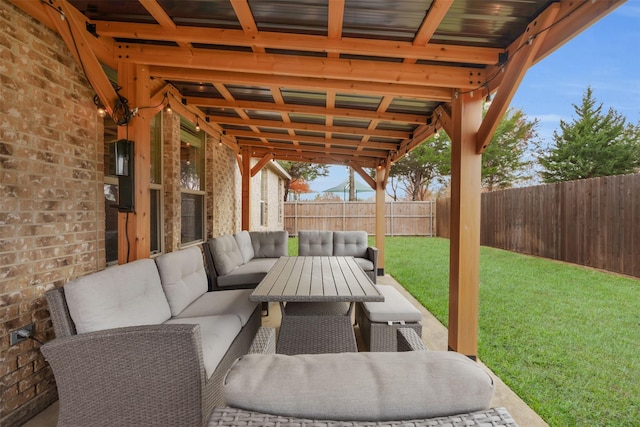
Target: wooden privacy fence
593,222
402,218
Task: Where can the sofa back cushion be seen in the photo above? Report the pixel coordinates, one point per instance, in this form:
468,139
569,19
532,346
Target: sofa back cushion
315,243
350,243
226,254
243,240
359,386
270,244
183,277
124,295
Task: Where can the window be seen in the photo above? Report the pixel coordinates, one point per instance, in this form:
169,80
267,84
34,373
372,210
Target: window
191,183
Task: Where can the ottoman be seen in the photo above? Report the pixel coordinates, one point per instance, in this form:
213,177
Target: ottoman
379,321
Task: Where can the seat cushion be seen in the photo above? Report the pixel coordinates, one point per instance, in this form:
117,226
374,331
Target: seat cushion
235,301
183,277
315,243
244,244
394,308
270,244
359,386
364,264
250,273
226,254
123,295
350,243
218,333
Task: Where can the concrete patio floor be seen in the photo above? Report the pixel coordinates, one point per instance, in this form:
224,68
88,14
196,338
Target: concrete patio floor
435,336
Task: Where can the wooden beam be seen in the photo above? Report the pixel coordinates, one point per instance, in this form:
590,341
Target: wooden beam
335,22
134,238
347,130
514,73
262,163
320,158
246,189
381,221
75,36
159,14
464,268
302,42
280,148
303,66
306,109
342,86
432,20
363,174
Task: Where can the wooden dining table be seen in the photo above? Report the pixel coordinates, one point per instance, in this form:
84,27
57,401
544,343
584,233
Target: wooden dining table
316,295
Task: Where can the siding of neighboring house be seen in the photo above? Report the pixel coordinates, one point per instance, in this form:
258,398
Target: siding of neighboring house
52,204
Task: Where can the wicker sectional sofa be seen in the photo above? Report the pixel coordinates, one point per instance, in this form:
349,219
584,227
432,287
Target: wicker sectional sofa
241,260
144,343
340,243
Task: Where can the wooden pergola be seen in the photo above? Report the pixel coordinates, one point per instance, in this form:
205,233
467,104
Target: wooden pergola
353,82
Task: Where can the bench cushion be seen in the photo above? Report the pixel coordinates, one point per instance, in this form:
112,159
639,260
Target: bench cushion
359,386
123,295
244,244
226,254
315,243
217,333
183,277
270,244
394,308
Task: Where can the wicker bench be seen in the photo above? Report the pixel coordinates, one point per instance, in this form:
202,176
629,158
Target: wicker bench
379,321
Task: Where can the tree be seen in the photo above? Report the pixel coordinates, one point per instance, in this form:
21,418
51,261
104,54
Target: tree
302,171
503,162
299,186
593,144
417,170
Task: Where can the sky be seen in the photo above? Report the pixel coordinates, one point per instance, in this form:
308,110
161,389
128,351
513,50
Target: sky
606,56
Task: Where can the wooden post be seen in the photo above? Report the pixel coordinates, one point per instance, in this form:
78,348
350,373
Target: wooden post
134,233
381,224
464,265
246,189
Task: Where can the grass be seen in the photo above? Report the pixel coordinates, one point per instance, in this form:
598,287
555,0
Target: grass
565,338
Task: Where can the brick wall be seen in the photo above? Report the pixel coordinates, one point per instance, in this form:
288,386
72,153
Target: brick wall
51,202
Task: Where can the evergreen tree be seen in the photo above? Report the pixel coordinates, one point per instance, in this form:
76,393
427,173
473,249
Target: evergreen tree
503,163
593,144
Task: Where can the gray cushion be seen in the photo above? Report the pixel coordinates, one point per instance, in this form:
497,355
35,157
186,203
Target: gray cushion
226,254
359,386
250,273
394,308
270,244
315,243
183,277
364,264
123,295
244,244
350,243
234,302
218,333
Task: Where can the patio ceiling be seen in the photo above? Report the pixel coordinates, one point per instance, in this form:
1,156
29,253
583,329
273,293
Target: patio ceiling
358,82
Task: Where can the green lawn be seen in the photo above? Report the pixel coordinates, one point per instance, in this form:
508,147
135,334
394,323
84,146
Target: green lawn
566,339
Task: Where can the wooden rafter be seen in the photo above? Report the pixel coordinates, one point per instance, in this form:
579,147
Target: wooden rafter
301,42
261,163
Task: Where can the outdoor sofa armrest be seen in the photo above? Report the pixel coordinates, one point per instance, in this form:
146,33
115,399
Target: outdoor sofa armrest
130,376
372,255
409,340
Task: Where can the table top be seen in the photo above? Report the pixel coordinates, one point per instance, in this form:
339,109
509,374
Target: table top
316,279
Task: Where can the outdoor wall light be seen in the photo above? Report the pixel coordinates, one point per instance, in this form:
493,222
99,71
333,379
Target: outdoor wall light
197,124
